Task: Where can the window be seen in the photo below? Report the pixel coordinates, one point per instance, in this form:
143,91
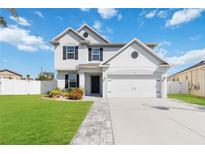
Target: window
134,54
95,53
85,35
186,77
173,79
70,52
72,80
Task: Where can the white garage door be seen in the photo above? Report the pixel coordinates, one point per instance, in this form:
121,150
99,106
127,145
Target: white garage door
133,86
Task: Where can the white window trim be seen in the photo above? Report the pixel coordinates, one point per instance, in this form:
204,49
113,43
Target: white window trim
95,54
70,52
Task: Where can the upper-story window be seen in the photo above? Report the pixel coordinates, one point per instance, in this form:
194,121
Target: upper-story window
95,54
70,52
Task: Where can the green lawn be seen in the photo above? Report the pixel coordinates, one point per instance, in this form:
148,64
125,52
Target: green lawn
31,120
188,98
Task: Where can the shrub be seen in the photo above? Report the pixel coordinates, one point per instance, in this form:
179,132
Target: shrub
55,93
76,94
66,94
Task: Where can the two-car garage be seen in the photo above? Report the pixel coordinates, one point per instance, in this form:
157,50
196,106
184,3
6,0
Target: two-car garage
133,86
135,71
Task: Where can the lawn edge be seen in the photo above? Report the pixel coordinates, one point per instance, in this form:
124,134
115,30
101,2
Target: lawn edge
185,102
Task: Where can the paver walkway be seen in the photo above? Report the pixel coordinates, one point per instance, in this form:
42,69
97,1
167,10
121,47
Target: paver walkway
96,128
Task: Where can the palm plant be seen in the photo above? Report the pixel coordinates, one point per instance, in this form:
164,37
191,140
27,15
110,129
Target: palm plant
13,12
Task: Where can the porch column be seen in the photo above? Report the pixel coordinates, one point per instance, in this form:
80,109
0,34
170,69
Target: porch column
82,80
164,86
104,88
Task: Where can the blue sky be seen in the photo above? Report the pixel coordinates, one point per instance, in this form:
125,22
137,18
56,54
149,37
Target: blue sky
25,47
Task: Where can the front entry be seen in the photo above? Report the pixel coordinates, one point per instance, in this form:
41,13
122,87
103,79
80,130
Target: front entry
95,84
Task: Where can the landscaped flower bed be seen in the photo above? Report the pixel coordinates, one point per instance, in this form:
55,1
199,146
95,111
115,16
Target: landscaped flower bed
72,94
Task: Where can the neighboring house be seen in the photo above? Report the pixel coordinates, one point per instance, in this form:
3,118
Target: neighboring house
83,58
8,74
195,76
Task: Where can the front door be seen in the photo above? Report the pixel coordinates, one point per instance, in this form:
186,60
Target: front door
95,84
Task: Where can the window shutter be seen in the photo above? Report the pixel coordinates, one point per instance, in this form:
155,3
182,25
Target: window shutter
77,80
101,54
66,81
89,54
64,52
76,52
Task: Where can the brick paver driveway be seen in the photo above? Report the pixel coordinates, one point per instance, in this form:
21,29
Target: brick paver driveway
156,121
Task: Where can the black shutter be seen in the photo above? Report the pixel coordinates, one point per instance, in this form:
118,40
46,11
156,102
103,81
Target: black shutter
64,52
76,52
77,80
101,54
89,54
66,81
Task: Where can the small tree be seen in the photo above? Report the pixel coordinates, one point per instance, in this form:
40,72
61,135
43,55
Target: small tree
45,76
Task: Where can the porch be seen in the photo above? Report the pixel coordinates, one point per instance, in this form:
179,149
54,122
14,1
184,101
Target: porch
90,79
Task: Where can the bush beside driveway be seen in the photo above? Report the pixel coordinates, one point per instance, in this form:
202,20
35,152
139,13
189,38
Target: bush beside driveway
27,119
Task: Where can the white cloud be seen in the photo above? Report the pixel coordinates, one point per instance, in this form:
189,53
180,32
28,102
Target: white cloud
161,50
188,57
151,14
162,14
154,13
22,39
163,43
60,18
85,9
40,14
119,17
195,38
142,13
107,13
183,16
108,30
102,29
21,21
97,25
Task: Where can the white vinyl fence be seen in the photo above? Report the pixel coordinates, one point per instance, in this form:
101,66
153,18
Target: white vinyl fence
177,87
17,87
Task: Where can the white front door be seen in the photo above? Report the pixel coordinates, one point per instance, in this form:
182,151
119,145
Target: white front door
133,86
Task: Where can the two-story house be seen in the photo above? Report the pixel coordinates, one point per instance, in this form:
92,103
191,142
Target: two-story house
84,58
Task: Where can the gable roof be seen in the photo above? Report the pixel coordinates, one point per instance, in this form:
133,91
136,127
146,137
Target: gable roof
201,63
143,46
54,40
96,33
11,72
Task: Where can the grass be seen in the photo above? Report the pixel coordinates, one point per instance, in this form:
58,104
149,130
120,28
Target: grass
188,98
30,120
